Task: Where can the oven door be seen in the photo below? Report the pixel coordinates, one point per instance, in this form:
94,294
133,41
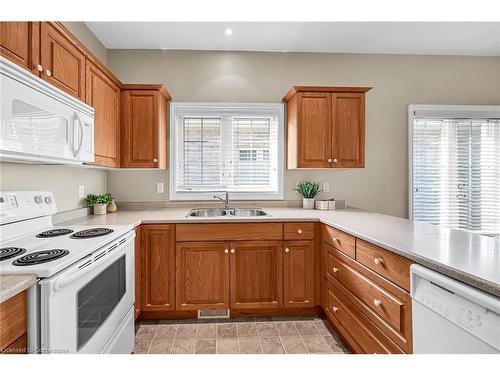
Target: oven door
82,306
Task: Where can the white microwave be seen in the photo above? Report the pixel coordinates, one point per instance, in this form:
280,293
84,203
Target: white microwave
40,123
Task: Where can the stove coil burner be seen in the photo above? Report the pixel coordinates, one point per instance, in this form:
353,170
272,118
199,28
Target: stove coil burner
94,232
54,233
10,252
38,257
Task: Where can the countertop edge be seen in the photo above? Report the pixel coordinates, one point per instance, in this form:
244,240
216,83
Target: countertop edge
22,283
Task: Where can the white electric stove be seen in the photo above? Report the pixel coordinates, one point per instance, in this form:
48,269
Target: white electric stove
83,301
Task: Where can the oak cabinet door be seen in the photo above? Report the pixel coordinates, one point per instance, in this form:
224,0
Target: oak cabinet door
256,274
63,63
202,274
298,274
314,130
348,114
158,267
104,95
16,42
138,273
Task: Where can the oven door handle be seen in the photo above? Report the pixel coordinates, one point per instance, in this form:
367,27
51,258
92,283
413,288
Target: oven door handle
63,281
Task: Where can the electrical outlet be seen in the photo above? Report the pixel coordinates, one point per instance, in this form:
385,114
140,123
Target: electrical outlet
326,187
159,187
81,191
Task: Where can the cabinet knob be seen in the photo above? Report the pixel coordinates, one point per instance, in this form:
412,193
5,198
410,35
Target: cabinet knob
377,302
155,160
335,269
287,250
299,231
39,68
335,309
336,239
378,261
334,160
226,251
329,160
48,73
233,251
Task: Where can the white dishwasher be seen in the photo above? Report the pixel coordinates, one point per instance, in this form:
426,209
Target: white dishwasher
452,317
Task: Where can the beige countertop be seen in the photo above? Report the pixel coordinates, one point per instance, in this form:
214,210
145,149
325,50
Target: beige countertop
10,285
471,258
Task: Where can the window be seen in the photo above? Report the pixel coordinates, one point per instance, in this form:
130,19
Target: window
226,146
455,167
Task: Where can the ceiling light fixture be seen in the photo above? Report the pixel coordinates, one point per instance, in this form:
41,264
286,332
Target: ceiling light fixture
228,31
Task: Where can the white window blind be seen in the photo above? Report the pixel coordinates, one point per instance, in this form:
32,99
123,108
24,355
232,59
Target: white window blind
230,147
456,173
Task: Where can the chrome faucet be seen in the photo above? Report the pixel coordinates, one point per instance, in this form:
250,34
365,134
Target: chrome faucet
225,201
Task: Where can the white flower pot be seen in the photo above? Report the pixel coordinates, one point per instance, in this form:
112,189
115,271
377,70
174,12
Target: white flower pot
308,203
100,209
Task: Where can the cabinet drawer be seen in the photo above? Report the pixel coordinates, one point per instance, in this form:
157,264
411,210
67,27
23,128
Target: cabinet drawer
229,232
332,263
19,346
361,334
390,265
298,231
339,240
12,320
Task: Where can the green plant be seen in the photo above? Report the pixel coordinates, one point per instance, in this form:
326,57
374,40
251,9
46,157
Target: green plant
93,199
308,189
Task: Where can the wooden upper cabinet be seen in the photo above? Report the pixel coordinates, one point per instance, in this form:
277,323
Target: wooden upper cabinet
298,274
202,275
144,126
256,274
326,127
19,41
158,267
103,93
63,62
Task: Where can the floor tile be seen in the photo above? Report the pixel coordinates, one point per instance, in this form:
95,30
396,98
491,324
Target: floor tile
226,331
141,347
306,328
165,332
316,345
205,347
294,318
249,346
271,346
266,329
286,328
246,330
227,346
206,331
145,333
334,346
186,332
294,345
160,347
183,347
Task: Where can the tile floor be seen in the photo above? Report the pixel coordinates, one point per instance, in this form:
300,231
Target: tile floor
237,335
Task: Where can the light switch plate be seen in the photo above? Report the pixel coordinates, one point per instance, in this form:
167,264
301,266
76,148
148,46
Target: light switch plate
159,187
326,187
81,191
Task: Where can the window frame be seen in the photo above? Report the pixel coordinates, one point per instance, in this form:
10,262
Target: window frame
205,109
451,111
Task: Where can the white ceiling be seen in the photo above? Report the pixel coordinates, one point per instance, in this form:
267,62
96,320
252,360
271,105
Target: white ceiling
435,38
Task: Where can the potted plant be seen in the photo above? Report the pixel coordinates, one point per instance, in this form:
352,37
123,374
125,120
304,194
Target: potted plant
308,190
98,202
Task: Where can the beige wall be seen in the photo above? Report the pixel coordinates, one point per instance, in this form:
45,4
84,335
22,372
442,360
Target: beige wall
87,37
63,181
397,81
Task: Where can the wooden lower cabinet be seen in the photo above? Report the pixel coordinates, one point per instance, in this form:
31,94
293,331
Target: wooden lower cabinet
256,275
298,274
138,272
13,324
158,267
202,275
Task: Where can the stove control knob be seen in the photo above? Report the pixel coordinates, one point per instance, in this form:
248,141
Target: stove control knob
38,199
49,200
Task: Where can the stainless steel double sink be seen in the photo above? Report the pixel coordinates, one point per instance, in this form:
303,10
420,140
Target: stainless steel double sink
228,212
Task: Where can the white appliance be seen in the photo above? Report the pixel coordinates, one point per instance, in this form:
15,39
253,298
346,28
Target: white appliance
83,301
40,123
450,317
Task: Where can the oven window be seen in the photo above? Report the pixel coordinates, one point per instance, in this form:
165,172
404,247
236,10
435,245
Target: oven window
97,299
